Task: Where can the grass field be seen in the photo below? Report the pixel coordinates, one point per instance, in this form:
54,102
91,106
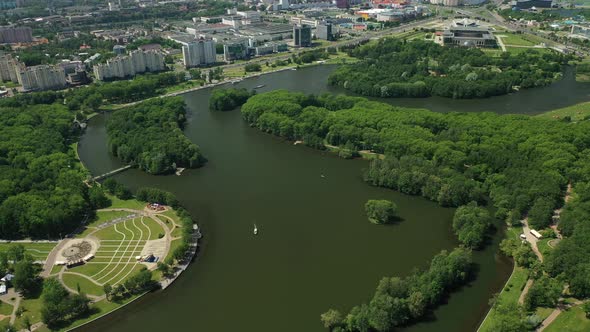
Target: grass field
105,216
509,294
117,203
5,309
39,250
516,39
518,50
32,308
572,320
575,112
86,286
544,248
115,259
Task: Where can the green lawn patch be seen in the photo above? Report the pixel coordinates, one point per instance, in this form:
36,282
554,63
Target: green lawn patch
86,286
518,50
5,309
544,312
39,250
55,269
155,229
509,294
133,204
106,216
515,39
32,308
544,248
572,320
575,112
100,308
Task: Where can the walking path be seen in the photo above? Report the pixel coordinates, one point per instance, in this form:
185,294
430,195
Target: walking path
501,42
48,265
525,291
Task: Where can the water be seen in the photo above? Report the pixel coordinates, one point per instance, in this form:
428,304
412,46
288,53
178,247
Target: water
315,249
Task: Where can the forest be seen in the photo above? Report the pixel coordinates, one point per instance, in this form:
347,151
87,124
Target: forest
521,165
396,68
228,99
150,136
42,194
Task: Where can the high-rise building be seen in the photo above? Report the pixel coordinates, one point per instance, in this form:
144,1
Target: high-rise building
8,68
324,31
41,77
7,4
11,35
127,66
302,35
284,4
235,50
198,53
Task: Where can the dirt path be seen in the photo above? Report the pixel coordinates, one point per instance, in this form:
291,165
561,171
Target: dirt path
50,260
552,316
14,309
525,290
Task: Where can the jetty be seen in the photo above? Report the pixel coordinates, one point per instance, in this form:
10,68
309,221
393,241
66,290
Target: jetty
111,173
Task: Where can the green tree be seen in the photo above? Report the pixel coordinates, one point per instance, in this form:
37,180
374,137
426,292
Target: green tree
471,223
380,211
108,290
26,280
331,319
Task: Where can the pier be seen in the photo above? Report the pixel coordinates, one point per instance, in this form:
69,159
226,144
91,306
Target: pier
111,173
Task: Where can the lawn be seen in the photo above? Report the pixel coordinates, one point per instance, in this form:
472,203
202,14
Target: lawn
572,320
5,309
515,39
518,50
32,308
55,269
544,312
575,112
155,230
509,294
86,286
105,216
544,248
133,204
39,250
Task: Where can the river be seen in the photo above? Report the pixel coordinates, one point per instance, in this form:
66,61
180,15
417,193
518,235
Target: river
315,249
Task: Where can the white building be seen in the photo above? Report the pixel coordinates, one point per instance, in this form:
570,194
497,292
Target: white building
198,53
251,16
127,66
41,77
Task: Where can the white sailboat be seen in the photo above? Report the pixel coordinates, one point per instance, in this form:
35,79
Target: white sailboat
255,229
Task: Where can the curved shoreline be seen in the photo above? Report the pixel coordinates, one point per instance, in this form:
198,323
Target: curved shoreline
164,282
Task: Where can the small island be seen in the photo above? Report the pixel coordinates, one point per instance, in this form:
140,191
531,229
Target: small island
380,211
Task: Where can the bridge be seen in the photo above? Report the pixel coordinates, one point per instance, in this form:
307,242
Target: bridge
111,173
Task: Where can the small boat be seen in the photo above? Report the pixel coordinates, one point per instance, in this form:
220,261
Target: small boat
293,68
323,176
255,229
259,86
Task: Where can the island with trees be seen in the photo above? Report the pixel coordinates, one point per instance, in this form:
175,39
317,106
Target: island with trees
150,136
520,165
392,67
380,211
